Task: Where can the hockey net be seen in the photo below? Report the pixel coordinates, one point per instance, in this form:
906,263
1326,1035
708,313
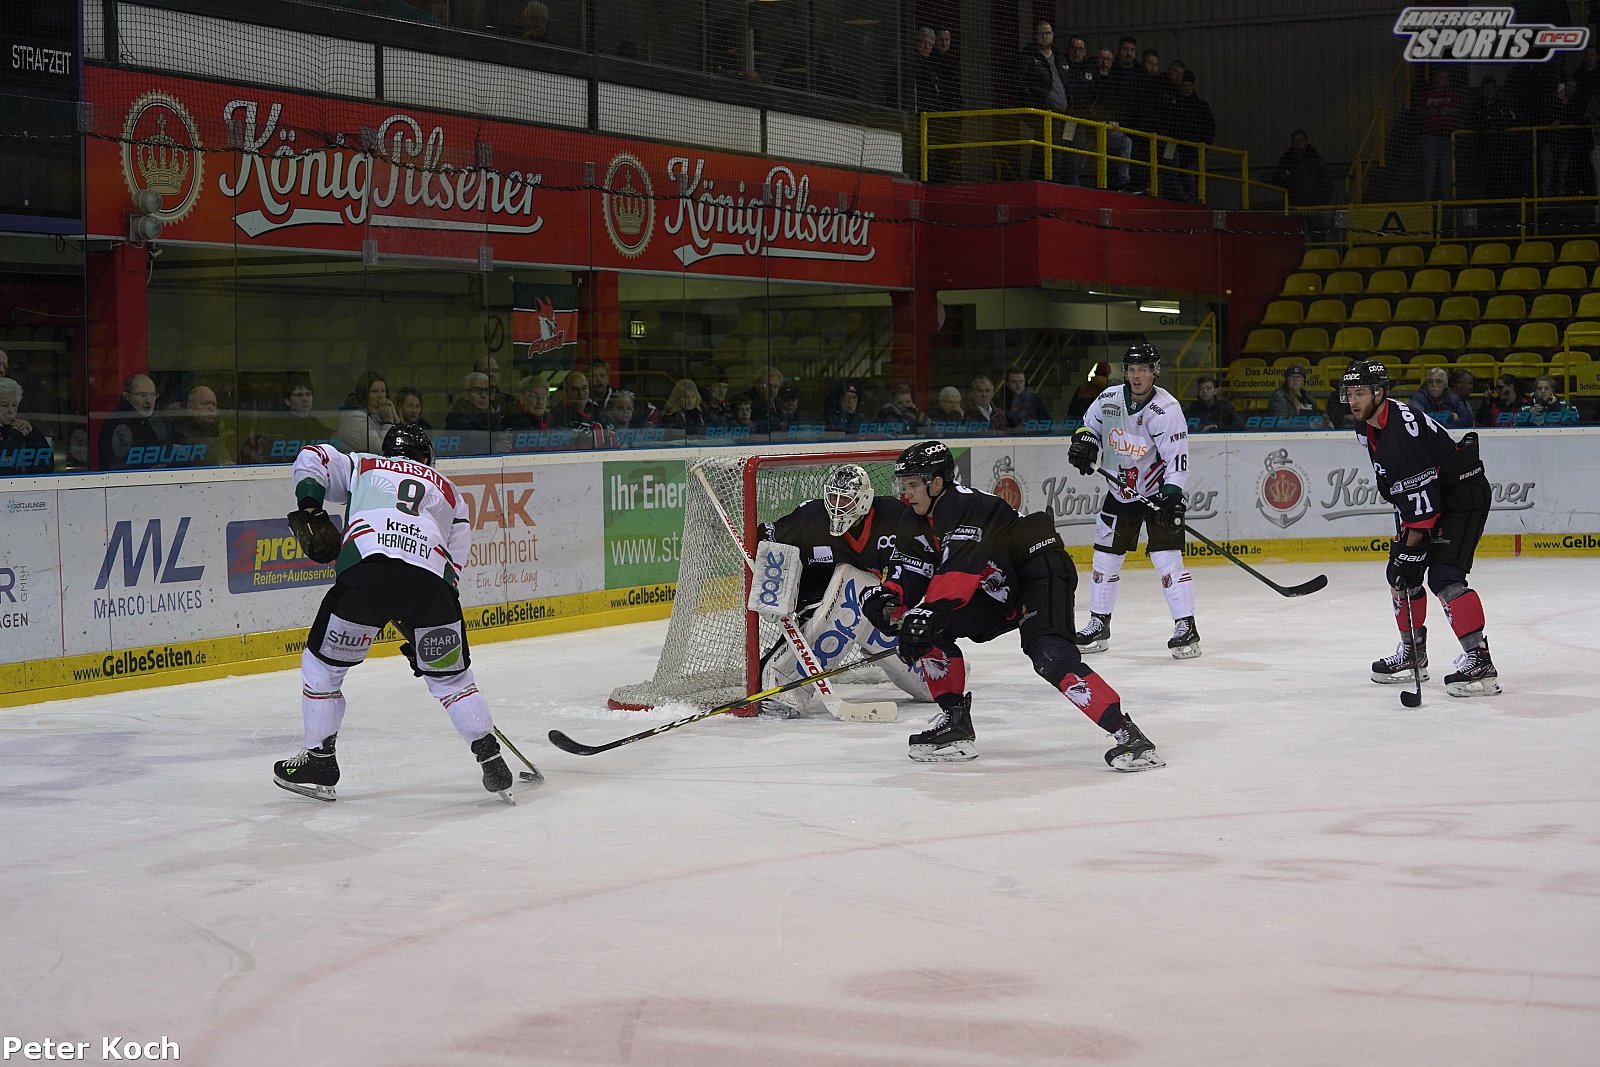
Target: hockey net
714,646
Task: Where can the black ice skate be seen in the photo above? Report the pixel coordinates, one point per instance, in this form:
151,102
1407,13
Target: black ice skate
1185,642
496,775
1474,675
1095,635
313,773
1133,751
1396,669
949,738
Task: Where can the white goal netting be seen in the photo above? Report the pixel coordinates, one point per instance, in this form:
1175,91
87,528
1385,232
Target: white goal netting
713,649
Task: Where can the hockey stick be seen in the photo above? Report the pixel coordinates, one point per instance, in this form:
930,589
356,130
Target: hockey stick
577,748
1302,589
805,656
1410,699
532,774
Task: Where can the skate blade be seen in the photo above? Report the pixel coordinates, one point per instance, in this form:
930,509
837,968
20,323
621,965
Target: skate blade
315,792
1094,646
1397,679
955,752
1145,761
1483,687
1186,651
505,795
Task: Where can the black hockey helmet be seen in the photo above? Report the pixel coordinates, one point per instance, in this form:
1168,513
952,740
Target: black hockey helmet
1142,352
1369,372
409,440
925,459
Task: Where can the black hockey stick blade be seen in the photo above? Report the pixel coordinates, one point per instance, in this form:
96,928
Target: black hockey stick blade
1407,697
532,774
578,748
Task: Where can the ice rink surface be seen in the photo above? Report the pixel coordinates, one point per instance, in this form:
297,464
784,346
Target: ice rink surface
1318,877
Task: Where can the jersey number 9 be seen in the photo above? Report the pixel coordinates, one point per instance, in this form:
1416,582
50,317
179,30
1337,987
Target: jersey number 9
408,497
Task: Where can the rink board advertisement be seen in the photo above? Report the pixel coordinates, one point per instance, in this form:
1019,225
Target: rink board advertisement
118,580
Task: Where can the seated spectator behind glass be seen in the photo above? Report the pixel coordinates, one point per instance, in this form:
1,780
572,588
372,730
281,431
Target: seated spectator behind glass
474,408
787,411
132,430
408,405
1208,411
1022,404
1463,384
498,400
846,417
619,410
1436,401
200,428
1545,408
900,415
763,395
599,376
718,412
1500,407
366,415
681,416
530,410
1291,401
574,408
948,408
983,408
536,22
23,449
280,437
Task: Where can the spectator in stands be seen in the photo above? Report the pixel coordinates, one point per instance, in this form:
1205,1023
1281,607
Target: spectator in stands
928,95
743,420
499,401
983,408
599,379
23,449
682,415
1497,152
366,415
785,413
1439,109
1303,173
279,437
948,69
1463,384
132,425
473,410
200,428
1545,408
1290,404
1209,412
1083,96
1175,71
1043,82
1500,407
43,402
1122,98
530,408
846,417
718,412
536,22
575,406
1188,118
763,394
1108,110
901,415
1436,401
949,407
1155,92
1021,403
408,405
619,410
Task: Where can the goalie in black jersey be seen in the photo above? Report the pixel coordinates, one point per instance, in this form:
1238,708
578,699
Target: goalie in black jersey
965,564
1441,499
845,539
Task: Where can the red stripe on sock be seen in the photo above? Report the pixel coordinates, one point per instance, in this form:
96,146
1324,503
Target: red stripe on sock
945,674
1465,613
1419,611
1094,697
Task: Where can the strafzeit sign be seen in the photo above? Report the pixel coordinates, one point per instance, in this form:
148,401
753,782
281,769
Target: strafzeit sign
259,168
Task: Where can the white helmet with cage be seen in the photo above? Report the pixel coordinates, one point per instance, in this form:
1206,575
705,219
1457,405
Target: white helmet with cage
847,495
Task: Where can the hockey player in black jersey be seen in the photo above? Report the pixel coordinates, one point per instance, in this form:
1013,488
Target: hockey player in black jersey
966,564
1441,499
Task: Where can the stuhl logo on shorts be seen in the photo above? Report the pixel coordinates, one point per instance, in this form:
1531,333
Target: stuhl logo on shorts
1482,35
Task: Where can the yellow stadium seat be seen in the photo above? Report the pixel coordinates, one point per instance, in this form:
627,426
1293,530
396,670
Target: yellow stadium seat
1362,257
1409,373
1399,339
1445,337
1353,340
1387,281
1581,250
1421,365
1414,309
1330,369
1459,309
1537,253
1245,372
1550,306
1584,334
1481,364
1589,306
1447,256
1537,335
1431,280
1523,364
1490,335
1493,254
1520,280
1264,342
1569,276
1343,281
1325,311
1475,280
1582,373
1320,259
1284,313
1302,285
1370,309
1506,306
1308,339
1403,256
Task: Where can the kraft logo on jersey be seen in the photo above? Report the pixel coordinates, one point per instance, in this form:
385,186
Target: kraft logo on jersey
405,537
1482,35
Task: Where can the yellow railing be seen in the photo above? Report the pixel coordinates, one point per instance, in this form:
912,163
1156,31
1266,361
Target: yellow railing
1447,221
1373,151
1536,149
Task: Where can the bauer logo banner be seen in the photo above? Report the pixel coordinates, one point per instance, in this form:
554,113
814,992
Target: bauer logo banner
1482,35
775,582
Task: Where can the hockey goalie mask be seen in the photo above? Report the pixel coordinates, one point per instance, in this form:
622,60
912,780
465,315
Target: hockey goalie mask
847,496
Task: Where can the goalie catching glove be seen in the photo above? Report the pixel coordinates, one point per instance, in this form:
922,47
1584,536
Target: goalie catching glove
1084,451
319,538
919,631
880,606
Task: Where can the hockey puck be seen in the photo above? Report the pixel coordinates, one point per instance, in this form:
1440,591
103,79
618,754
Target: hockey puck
529,776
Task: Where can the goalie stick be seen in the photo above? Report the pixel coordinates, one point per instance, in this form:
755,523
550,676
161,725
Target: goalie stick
578,748
805,656
1302,589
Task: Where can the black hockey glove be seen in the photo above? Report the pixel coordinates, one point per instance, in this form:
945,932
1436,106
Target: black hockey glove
1173,506
409,651
879,606
1406,564
1084,450
919,629
318,536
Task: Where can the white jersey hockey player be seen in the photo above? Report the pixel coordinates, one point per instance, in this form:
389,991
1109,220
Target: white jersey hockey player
1138,434
398,560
